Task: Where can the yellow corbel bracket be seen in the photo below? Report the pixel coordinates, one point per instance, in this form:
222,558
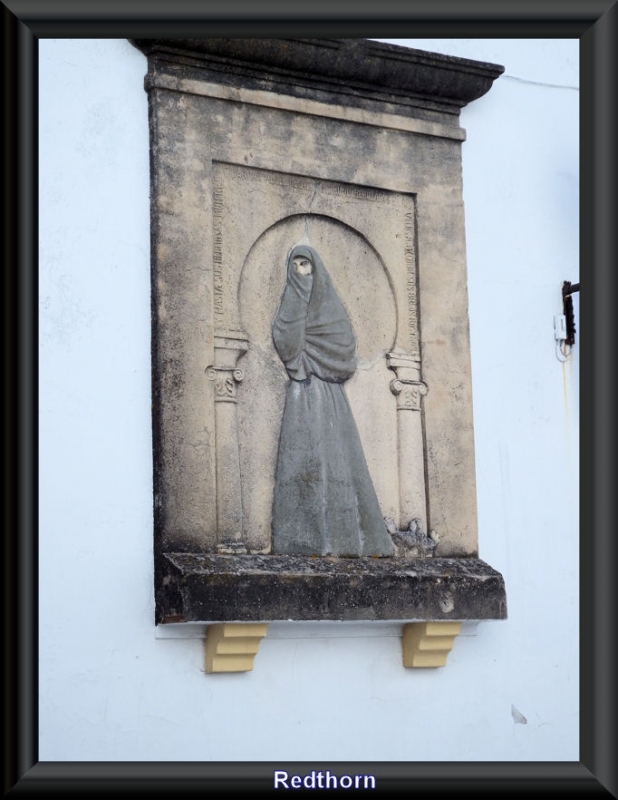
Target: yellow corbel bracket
231,647
427,644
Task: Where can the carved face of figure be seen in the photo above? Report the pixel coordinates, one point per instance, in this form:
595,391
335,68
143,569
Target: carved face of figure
302,265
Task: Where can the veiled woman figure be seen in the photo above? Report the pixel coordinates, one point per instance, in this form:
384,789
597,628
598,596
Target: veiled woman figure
324,500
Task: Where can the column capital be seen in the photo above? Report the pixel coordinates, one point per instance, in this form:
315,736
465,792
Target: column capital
225,380
408,394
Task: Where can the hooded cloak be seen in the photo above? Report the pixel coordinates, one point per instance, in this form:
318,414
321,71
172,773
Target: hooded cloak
324,500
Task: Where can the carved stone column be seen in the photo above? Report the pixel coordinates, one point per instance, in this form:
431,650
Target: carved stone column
229,347
409,389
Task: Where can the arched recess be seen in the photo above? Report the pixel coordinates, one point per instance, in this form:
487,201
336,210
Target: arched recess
362,282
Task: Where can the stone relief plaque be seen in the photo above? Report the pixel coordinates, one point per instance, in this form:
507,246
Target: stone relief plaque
312,415
265,217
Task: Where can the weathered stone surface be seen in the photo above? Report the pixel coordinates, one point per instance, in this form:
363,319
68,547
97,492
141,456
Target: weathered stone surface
267,588
351,147
351,71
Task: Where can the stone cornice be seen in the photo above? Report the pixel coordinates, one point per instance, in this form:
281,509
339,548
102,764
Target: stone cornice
364,69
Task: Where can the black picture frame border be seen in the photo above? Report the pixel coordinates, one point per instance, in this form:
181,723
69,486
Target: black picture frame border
595,24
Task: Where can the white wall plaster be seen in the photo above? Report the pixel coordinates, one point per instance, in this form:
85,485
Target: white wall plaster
109,688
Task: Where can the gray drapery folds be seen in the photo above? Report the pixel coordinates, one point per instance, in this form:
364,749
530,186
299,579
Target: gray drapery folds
324,501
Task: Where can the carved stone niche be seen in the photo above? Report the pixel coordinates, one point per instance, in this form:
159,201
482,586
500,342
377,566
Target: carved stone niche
365,509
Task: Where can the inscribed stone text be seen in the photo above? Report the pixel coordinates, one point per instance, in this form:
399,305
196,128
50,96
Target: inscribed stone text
411,284
218,209
321,187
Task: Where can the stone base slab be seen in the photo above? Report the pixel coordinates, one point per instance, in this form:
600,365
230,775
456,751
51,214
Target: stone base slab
195,587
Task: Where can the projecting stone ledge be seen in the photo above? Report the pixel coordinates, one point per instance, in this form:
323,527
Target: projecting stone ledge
349,72
267,588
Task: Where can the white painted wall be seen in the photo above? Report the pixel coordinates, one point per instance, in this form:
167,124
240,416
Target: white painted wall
109,688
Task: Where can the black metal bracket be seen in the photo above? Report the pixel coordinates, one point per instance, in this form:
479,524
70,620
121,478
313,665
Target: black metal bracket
568,289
